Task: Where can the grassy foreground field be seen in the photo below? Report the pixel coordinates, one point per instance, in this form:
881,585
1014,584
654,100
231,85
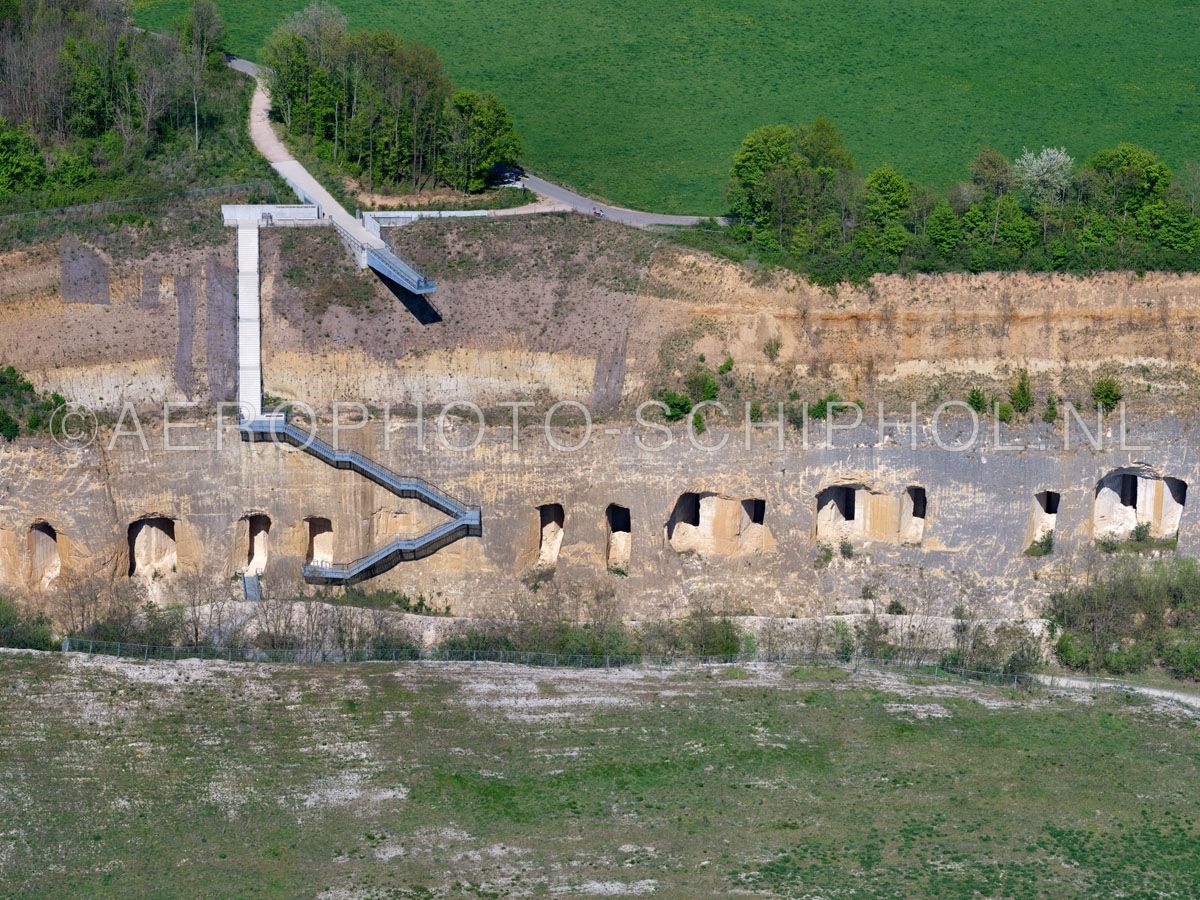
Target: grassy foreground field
120,778
644,101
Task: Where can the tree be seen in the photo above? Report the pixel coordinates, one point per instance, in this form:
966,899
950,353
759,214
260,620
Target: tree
201,34
766,153
155,63
1021,394
887,197
944,229
1129,176
1044,176
21,165
481,140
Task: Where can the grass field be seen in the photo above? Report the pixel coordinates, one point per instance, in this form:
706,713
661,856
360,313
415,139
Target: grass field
120,778
644,101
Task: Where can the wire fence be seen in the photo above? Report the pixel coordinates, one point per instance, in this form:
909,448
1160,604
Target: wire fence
542,659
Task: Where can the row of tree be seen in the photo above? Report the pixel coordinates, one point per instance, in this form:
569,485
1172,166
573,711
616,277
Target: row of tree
80,88
384,109
796,192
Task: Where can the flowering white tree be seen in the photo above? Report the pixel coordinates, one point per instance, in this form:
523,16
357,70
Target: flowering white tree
1045,176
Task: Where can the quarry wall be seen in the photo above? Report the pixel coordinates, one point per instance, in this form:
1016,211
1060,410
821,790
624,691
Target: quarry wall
756,546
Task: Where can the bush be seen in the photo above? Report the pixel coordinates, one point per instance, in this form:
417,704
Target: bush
846,549
1114,622
1107,393
896,608
1004,412
824,556
702,385
1043,546
771,348
726,367
1183,659
26,632
678,405
1021,394
711,636
1128,659
477,640
977,400
1140,533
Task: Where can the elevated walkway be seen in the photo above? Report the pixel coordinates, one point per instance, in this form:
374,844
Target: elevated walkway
249,319
465,520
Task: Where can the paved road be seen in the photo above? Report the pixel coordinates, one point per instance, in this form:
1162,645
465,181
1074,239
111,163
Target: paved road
276,153
588,206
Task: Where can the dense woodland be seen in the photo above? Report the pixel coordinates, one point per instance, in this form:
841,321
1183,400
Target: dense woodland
797,197
383,109
91,108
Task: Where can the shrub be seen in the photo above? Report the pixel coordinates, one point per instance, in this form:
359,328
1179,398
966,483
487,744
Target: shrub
1004,412
1127,659
1021,394
871,638
896,608
1183,659
846,549
824,556
1042,546
1140,533
711,636
9,429
843,641
977,400
726,367
701,385
27,632
826,406
1050,414
678,405
771,348
1107,393
477,640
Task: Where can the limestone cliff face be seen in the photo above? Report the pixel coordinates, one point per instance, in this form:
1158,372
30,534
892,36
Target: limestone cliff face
765,558
562,307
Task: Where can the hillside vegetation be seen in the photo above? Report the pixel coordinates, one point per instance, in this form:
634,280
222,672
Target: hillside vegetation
91,110
798,197
644,103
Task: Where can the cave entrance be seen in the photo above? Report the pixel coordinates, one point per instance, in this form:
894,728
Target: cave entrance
551,519
152,549
620,536
257,529
1128,489
754,511
838,512
1124,499
320,541
913,507
686,512
45,564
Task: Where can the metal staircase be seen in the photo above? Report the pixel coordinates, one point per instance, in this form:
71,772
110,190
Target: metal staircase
465,521
391,266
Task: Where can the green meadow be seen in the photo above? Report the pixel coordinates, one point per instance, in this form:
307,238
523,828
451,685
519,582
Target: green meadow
123,778
643,102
